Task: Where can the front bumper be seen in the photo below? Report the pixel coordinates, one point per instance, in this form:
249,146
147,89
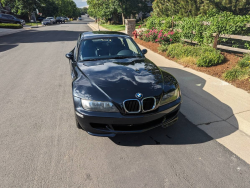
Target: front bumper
110,124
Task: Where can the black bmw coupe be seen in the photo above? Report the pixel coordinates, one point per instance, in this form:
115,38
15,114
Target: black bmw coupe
116,89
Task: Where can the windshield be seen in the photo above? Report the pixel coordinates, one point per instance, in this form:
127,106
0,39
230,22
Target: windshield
108,48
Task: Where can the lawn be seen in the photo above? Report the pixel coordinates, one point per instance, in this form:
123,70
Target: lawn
10,26
32,23
116,27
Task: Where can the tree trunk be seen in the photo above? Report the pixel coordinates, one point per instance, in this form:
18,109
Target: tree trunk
29,15
123,19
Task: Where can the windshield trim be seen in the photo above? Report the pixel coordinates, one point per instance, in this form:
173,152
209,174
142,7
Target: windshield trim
105,37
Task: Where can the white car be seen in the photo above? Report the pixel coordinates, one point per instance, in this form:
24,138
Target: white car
53,20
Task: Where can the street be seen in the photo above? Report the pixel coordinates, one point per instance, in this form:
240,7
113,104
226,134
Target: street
41,146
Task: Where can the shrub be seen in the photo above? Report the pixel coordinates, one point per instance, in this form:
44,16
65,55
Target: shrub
159,22
10,26
209,59
235,73
159,36
163,47
241,71
245,62
178,50
206,55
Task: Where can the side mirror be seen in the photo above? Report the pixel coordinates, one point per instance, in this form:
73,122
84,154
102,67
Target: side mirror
144,51
69,56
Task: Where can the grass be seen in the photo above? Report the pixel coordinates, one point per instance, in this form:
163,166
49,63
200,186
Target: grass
116,27
10,26
32,23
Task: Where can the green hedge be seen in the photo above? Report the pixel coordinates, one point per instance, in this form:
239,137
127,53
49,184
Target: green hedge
10,26
206,55
202,27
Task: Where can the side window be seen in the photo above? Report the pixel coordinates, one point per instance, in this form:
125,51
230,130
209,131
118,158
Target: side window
9,17
131,46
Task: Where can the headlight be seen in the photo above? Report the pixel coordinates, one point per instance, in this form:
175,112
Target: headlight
98,106
170,97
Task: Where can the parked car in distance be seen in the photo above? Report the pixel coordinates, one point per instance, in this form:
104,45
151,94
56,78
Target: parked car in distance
53,20
79,18
66,18
116,89
60,20
7,18
46,22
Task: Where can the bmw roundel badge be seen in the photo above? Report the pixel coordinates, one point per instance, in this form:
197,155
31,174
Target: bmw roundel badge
138,95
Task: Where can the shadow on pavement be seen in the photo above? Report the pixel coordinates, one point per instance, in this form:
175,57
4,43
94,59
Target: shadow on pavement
6,47
36,36
184,132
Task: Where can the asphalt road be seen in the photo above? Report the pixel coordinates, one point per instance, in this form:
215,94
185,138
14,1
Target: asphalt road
40,145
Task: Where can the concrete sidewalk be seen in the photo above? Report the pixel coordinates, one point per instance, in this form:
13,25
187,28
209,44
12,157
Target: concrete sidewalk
218,108
213,105
94,27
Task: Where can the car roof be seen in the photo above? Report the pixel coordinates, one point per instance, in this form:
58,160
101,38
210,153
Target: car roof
102,34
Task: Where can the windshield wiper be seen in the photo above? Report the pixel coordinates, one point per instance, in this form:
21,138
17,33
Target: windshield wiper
92,59
124,57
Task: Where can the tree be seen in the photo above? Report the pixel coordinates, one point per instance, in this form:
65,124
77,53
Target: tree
107,8
47,7
84,10
237,7
195,7
132,7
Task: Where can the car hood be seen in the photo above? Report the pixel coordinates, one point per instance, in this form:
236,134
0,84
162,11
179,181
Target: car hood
121,79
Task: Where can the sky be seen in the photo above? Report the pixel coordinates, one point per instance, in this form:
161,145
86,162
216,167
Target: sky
81,3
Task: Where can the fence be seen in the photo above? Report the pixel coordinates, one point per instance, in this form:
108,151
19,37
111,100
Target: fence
217,36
